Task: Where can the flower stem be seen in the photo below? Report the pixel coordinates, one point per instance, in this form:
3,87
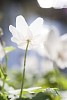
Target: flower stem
4,82
24,69
4,71
4,76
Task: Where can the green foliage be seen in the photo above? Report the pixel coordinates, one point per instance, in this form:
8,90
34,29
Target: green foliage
53,79
3,96
33,94
42,96
1,73
56,79
17,77
9,49
23,99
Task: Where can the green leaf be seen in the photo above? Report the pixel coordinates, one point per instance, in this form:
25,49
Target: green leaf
54,91
3,96
1,73
42,96
9,49
33,89
23,99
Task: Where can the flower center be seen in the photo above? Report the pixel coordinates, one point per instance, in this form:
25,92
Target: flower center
28,41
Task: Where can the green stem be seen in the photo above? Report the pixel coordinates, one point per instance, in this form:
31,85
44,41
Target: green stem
3,83
24,69
4,52
1,69
4,73
4,77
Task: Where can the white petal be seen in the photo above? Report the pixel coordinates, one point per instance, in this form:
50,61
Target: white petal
23,46
16,35
64,37
61,64
58,4
52,43
22,27
16,40
61,59
45,3
63,40
21,24
36,25
13,31
31,45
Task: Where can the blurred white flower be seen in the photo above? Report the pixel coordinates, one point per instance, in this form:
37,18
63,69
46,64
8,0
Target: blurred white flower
2,53
45,3
41,51
52,43
46,66
63,95
56,46
58,4
6,86
22,32
32,67
61,59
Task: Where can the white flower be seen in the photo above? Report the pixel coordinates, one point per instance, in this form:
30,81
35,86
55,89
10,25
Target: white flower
53,3
56,46
22,32
62,53
41,51
63,95
52,43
